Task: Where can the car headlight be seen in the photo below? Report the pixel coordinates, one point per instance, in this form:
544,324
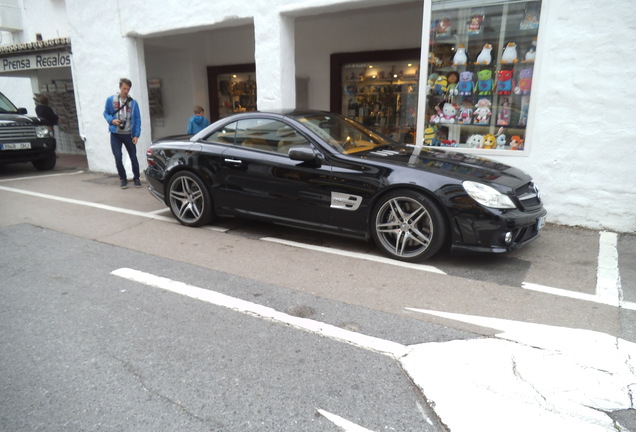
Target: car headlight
43,131
487,196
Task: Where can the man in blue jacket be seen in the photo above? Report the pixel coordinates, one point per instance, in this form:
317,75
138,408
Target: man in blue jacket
124,123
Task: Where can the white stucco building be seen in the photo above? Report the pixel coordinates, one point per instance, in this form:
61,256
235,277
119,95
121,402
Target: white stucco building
578,125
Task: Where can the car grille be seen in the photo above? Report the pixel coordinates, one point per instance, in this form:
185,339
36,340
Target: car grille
17,133
528,196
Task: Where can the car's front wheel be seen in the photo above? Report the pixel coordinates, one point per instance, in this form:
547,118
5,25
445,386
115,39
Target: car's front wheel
408,226
189,199
45,164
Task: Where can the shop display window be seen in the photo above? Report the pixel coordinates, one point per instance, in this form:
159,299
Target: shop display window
378,89
232,90
480,71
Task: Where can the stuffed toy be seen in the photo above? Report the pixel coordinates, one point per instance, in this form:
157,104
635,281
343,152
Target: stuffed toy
465,85
453,79
525,82
465,115
489,141
449,112
482,112
431,82
430,136
475,141
483,86
501,141
532,52
485,56
516,143
441,85
503,118
460,58
509,55
449,143
504,82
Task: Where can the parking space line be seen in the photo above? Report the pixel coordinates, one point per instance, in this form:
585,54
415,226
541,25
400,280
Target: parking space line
149,215
86,203
608,283
40,176
357,255
370,343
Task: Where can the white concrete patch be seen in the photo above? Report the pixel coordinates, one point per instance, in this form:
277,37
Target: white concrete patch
532,377
343,424
357,255
378,345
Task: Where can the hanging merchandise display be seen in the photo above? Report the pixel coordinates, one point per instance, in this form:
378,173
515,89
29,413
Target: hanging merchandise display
489,52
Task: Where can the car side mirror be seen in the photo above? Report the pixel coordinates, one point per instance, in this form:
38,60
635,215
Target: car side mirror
305,154
22,110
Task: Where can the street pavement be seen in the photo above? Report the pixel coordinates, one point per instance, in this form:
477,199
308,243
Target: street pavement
506,353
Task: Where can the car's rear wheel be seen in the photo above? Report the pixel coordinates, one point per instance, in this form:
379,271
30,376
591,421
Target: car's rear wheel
189,199
409,226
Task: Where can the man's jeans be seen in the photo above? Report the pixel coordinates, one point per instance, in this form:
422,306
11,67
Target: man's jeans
116,141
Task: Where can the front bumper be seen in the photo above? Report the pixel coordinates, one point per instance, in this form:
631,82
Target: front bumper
39,149
499,233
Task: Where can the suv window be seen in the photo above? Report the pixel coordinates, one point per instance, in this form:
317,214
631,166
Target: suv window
6,105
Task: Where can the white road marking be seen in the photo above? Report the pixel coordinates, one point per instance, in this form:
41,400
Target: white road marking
39,176
357,255
391,349
148,215
608,282
86,204
343,424
575,295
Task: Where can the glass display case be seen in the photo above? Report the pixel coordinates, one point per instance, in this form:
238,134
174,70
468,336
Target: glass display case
378,89
480,70
232,90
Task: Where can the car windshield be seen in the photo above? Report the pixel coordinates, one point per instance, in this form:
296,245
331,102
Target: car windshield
343,134
6,106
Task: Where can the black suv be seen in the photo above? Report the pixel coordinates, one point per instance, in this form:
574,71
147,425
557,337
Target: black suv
24,138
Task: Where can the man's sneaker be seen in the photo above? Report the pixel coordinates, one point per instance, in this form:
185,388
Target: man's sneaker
137,182
123,184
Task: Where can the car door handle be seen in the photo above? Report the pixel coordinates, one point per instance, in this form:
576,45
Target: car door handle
235,162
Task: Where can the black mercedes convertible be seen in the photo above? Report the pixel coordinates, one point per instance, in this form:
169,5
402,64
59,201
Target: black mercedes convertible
322,171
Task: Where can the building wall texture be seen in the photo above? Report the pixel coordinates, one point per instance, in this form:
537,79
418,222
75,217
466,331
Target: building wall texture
581,135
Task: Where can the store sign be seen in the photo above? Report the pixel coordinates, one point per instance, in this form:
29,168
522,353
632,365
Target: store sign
35,61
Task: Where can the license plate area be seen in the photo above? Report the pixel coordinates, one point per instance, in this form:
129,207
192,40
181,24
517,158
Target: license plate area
16,146
540,222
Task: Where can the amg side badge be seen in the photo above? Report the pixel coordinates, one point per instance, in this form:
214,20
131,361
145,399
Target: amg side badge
345,201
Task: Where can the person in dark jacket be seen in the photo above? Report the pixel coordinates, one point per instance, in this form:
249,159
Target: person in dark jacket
44,111
197,122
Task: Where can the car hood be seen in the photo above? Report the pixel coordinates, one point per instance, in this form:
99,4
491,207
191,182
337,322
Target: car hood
461,166
7,119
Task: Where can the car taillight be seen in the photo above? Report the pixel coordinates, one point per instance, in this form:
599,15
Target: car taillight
150,156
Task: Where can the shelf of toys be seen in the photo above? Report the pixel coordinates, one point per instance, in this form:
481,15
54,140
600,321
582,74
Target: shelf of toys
480,70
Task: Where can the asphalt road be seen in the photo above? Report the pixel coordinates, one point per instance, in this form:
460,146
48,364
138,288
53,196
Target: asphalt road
84,349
